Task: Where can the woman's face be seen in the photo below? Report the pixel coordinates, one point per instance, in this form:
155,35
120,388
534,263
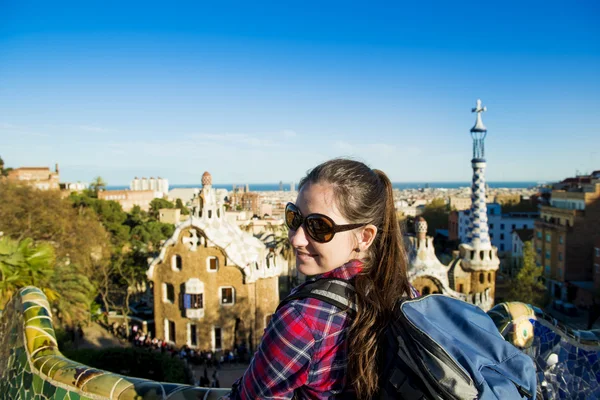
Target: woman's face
312,257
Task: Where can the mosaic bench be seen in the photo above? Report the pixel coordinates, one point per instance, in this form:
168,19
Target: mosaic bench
32,367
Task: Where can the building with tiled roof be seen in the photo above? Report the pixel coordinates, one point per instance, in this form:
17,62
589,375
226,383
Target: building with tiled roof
215,286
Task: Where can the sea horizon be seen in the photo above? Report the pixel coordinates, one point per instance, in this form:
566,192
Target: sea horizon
271,187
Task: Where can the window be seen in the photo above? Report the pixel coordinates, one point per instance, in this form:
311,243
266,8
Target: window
597,267
560,258
597,250
218,342
501,246
547,254
547,270
212,264
560,239
514,248
461,288
548,237
502,236
209,213
489,277
560,272
539,250
227,296
193,301
169,331
176,262
514,226
481,277
491,226
502,226
539,234
193,340
168,293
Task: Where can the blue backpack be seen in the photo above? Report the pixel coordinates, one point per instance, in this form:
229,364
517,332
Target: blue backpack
438,347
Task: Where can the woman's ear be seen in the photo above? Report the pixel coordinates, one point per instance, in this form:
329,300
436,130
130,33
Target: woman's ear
366,237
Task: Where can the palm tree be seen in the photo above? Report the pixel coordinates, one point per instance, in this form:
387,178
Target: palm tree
97,184
22,264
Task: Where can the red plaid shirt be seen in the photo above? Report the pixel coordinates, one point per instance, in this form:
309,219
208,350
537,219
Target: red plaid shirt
303,350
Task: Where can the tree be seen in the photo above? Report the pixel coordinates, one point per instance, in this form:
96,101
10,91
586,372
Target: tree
156,205
527,286
97,185
23,263
436,214
76,234
184,210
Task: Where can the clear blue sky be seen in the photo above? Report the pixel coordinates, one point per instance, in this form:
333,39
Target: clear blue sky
262,91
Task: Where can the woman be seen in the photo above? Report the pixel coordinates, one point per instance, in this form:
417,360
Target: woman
343,225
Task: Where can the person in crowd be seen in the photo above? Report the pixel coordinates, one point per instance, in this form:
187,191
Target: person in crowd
342,225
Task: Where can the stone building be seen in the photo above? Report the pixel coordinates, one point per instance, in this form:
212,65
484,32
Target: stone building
129,198
565,236
214,285
39,177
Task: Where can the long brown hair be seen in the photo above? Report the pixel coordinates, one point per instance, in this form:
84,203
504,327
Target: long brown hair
365,196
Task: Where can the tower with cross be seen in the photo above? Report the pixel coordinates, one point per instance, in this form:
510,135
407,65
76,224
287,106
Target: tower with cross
478,256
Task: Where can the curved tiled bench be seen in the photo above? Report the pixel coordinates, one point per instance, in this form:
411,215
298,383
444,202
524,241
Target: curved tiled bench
31,365
567,360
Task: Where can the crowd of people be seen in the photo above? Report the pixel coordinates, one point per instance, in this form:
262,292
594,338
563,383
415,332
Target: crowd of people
192,357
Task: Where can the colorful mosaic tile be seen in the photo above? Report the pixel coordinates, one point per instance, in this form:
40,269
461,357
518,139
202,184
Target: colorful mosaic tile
32,367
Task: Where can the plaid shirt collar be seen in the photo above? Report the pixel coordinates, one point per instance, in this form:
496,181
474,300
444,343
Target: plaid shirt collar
346,271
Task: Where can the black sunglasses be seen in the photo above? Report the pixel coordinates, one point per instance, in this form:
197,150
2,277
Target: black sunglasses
318,226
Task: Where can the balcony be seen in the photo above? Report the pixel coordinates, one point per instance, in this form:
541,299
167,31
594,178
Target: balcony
194,313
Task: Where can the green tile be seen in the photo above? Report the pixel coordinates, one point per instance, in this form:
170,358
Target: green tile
60,394
48,389
27,380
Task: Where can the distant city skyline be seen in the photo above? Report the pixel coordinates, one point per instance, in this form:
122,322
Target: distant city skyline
262,94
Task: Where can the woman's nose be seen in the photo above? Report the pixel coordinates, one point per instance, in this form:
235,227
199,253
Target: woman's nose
298,237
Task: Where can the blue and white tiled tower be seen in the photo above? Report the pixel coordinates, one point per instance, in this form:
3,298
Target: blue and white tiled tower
478,256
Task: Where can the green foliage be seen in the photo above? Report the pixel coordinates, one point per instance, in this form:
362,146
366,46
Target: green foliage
135,362
77,236
527,286
23,263
110,213
179,204
97,185
436,214
156,205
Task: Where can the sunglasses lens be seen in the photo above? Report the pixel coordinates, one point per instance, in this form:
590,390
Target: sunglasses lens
293,219
320,228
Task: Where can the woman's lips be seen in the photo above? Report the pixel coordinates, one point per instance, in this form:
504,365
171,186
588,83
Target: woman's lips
304,256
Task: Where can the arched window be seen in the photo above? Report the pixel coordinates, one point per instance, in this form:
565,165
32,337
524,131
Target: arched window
481,277
176,263
489,277
209,213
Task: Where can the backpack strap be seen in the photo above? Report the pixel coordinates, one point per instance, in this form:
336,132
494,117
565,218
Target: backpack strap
337,292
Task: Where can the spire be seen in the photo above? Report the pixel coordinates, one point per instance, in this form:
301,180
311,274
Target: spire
478,233
478,132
